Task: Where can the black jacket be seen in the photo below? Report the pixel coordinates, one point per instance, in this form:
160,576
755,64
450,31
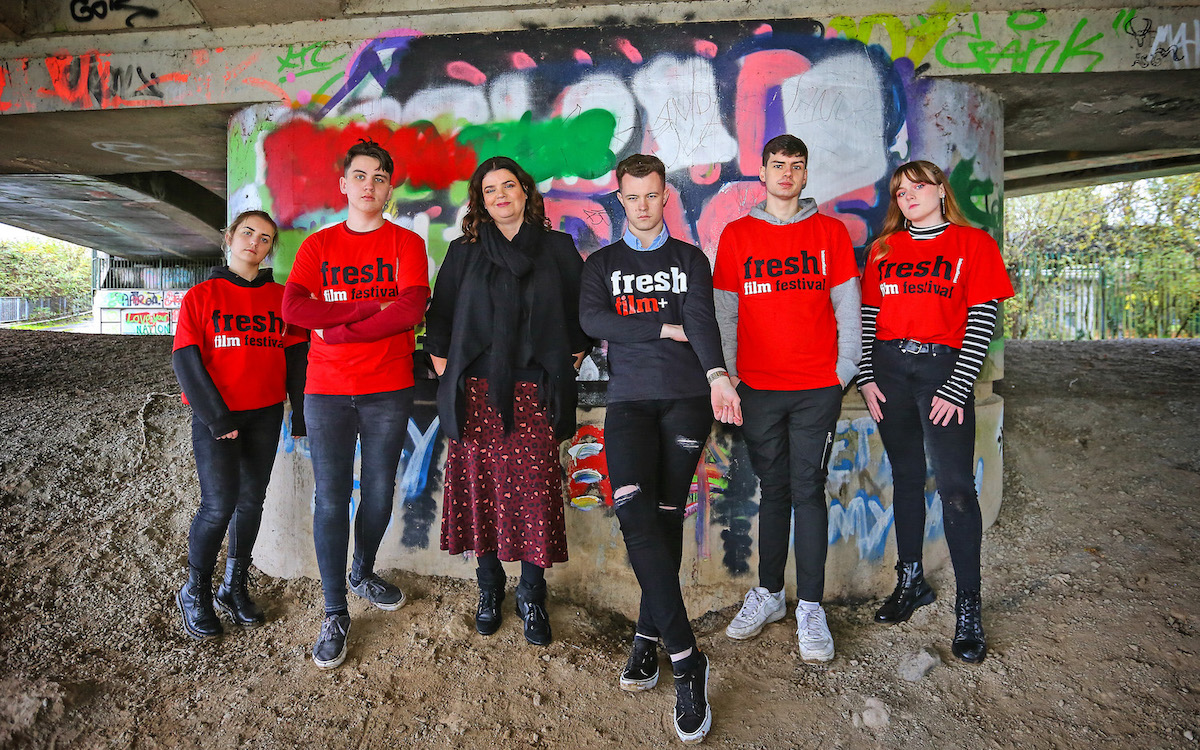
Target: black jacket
458,326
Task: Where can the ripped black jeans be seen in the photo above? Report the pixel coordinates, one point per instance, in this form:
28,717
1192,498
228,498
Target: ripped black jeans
654,447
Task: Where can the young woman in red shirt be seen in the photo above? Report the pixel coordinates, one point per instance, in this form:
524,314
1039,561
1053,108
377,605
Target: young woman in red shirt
236,361
930,293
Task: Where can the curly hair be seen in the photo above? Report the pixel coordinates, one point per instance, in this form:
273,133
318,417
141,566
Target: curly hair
477,213
368,147
916,171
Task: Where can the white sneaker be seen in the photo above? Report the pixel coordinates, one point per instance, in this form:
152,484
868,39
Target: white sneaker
761,607
816,642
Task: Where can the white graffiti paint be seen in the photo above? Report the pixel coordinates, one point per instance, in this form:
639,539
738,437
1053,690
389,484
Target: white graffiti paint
604,91
682,112
1179,43
836,108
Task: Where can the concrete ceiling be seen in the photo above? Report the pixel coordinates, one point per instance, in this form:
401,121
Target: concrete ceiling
165,167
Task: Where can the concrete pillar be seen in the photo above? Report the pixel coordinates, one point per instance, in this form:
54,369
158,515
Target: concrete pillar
568,105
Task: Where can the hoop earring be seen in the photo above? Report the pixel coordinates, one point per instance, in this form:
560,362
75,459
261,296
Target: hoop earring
907,224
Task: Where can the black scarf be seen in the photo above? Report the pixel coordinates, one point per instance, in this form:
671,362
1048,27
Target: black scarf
512,260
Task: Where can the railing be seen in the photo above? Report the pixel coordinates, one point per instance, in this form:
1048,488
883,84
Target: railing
17,309
1109,298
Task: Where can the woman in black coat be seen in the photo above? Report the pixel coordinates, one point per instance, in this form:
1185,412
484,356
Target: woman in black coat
503,332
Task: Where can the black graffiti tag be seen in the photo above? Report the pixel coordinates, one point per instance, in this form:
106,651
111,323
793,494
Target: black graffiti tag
84,11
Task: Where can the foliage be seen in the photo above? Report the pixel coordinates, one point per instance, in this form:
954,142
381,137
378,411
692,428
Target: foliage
1106,261
46,268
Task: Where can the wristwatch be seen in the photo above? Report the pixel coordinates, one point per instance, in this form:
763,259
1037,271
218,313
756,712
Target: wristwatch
717,373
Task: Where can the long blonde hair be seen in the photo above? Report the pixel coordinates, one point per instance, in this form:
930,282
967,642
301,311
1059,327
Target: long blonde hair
916,171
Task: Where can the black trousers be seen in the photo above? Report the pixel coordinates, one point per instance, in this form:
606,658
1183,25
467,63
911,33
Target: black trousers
234,474
377,423
655,446
790,436
909,382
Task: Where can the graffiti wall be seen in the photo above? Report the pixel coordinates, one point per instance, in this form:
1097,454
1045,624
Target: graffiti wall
568,105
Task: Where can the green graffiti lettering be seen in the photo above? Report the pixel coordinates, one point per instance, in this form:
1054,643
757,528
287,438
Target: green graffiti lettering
1073,49
1026,52
969,190
912,42
560,147
1036,20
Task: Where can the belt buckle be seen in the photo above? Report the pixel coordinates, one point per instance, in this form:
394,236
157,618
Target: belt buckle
908,346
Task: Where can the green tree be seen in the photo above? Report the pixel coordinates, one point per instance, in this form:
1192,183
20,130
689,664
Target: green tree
47,268
1114,260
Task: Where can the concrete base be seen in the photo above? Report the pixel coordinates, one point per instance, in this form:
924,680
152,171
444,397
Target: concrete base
720,551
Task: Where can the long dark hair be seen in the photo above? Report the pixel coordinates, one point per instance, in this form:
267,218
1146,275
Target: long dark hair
916,171
477,214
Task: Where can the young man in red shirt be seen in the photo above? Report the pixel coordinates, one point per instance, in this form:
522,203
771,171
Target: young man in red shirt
787,297
361,286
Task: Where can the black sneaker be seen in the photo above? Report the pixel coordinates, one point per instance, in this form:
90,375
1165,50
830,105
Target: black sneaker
693,715
378,592
330,648
641,671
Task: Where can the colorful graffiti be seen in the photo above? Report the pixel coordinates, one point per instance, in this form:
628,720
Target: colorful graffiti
588,486
138,298
326,77
568,104
149,322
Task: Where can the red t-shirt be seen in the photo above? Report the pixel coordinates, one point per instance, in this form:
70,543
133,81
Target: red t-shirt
924,287
782,274
241,335
339,265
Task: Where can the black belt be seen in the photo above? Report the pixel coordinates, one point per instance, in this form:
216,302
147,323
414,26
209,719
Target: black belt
910,346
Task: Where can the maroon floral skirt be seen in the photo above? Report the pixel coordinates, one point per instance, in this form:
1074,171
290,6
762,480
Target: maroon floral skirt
503,493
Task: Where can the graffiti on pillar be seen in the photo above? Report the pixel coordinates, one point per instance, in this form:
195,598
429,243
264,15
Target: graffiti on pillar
588,486
568,104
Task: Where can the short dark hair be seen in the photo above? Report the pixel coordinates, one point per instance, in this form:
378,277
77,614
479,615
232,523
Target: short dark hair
368,147
786,144
641,165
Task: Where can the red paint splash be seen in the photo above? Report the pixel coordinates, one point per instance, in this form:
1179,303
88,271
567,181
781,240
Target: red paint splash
522,61
465,71
304,162
761,75
626,48
582,57
705,48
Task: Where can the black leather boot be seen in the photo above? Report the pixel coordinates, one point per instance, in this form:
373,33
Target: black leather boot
531,607
491,596
969,642
911,592
233,597
196,605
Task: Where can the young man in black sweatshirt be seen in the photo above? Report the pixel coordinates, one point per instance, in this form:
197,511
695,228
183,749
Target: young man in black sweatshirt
650,297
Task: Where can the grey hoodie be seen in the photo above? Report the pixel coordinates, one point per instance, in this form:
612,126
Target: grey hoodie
845,297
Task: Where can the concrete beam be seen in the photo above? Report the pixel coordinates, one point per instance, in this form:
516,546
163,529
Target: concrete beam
1115,168
225,13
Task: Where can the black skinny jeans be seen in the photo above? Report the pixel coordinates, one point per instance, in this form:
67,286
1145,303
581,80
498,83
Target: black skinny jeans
379,421
655,446
790,436
234,474
909,382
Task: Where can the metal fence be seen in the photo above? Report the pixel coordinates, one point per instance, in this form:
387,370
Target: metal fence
120,273
1105,299
17,309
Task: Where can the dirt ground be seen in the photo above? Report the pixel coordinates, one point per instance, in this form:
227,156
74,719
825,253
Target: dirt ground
1091,595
